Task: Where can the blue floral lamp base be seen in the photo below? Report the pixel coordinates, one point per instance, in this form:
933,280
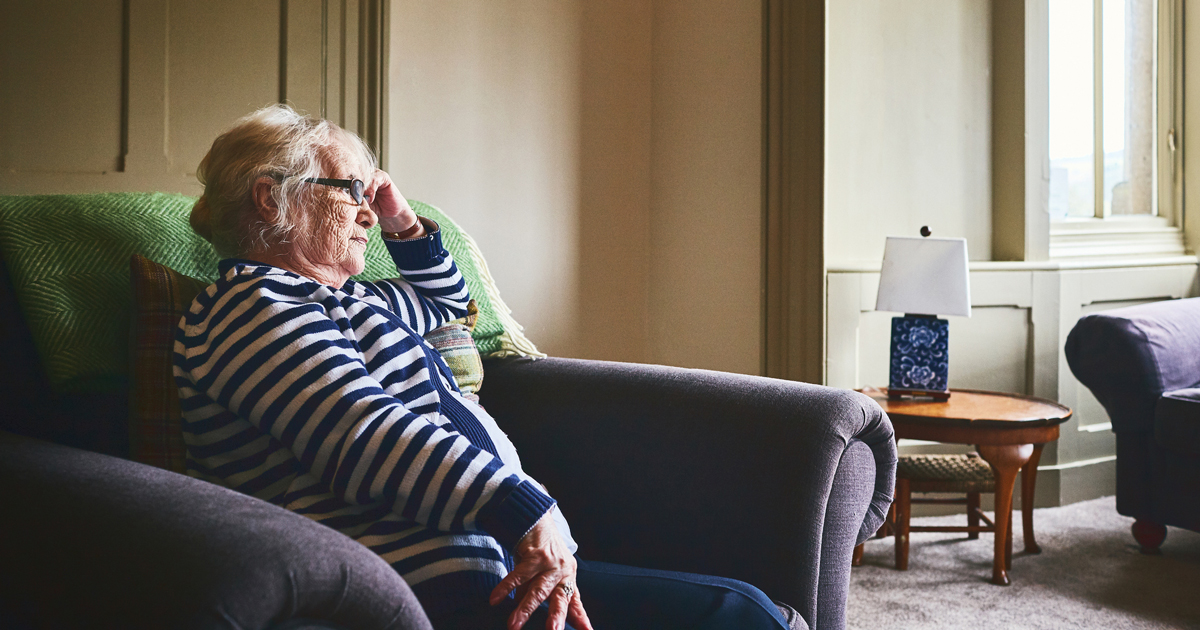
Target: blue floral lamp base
920,357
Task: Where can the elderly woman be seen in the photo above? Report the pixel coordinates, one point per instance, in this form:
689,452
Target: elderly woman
316,392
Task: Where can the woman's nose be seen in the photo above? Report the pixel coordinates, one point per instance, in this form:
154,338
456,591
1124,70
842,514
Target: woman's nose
366,217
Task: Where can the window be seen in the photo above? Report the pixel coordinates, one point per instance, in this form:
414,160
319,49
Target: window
1112,139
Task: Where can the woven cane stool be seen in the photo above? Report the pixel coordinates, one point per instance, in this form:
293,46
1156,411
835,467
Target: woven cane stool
966,474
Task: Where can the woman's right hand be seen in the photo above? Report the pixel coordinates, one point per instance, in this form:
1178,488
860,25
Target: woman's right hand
545,572
395,215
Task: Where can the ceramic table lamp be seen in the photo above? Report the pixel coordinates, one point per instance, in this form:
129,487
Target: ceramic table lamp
923,278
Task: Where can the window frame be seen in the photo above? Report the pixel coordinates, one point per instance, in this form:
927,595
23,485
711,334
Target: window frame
1136,235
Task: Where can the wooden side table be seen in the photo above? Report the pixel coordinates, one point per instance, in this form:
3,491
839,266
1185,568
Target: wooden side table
1009,430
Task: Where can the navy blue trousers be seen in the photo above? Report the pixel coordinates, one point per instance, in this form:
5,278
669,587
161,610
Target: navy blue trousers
618,597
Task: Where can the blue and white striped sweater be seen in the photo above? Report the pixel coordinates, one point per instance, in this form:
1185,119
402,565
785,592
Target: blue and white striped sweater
329,403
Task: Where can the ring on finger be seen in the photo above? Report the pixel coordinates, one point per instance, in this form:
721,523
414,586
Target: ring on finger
567,588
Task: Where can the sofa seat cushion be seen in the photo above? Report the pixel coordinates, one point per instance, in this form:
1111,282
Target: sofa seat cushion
1177,421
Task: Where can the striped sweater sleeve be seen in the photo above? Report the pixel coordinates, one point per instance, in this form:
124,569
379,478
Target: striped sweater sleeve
431,291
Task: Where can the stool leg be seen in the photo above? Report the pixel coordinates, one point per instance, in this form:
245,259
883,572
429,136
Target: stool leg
856,559
903,505
973,513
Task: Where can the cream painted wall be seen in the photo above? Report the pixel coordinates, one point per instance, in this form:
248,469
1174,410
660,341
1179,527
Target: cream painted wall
907,125
706,200
606,154
484,123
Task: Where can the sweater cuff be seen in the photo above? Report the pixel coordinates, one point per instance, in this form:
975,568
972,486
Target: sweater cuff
421,252
516,515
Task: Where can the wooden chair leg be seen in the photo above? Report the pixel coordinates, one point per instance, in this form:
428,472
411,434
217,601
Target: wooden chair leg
856,559
889,522
973,513
903,505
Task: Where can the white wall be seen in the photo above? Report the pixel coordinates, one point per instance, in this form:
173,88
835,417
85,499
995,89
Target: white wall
606,154
484,123
706,202
907,125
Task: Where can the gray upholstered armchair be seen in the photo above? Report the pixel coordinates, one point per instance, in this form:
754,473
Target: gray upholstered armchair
768,481
1143,365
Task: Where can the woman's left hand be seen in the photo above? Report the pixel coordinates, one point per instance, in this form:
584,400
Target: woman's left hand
545,572
395,215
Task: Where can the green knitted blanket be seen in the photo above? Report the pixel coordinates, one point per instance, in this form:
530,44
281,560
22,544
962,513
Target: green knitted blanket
68,258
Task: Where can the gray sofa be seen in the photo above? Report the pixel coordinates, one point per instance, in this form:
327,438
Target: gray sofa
768,481
1143,364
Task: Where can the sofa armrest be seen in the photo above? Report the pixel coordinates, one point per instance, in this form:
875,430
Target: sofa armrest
1129,356
692,470
89,540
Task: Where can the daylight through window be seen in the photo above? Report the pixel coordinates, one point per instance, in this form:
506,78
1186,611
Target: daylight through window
1103,126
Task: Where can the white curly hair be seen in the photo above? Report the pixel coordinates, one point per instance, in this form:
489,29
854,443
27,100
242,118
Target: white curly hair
275,142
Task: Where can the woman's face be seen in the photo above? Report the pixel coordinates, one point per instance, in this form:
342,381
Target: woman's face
333,236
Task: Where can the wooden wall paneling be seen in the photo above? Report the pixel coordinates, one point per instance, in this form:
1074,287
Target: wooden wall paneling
145,161
57,57
222,63
334,43
348,65
794,289
1190,113
129,94
62,69
323,49
846,306
988,351
304,55
1020,129
372,75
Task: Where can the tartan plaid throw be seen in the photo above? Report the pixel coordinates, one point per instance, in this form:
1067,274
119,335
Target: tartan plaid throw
161,295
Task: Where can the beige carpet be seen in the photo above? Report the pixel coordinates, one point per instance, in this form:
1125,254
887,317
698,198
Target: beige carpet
1089,575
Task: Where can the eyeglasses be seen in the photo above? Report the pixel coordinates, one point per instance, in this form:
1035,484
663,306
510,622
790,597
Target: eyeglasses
354,186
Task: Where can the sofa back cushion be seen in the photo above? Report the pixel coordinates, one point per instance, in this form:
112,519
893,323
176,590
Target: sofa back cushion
68,258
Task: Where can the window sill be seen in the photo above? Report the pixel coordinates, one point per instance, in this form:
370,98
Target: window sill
1114,238
1100,262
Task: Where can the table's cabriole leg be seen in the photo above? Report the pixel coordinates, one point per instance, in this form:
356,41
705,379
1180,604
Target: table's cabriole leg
1028,487
1008,544
1006,461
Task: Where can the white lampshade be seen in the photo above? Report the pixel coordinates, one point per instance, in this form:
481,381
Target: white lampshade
925,276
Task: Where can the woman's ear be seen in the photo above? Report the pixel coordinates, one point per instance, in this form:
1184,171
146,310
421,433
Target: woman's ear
264,202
